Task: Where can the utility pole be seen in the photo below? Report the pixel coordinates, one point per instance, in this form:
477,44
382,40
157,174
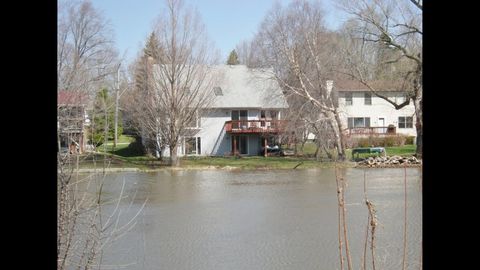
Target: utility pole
116,107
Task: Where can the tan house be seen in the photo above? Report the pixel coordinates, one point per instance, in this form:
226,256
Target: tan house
72,120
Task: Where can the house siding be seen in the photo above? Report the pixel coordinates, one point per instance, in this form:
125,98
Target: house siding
379,109
215,141
212,132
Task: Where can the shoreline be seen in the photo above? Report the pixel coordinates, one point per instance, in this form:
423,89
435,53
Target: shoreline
235,168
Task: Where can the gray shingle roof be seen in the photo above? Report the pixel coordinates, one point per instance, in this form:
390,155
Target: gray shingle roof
247,88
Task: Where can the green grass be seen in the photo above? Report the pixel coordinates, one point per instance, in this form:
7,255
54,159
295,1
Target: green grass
125,139
406,150
129,155
122,140
255,162
126,148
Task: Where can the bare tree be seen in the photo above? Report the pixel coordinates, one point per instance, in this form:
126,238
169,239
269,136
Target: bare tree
84,228
85,60
85,53
144,124
302,52
384,43
178,79
304,119
249,54
243,51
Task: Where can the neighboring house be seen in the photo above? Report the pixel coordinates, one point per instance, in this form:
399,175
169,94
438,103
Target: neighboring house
246,114
363,113
72,120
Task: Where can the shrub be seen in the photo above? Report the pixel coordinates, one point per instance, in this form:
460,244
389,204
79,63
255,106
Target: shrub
409,139
387,141
364,142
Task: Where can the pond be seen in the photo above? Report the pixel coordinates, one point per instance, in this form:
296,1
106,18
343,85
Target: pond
280,219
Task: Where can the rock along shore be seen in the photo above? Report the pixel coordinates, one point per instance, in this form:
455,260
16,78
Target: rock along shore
389,162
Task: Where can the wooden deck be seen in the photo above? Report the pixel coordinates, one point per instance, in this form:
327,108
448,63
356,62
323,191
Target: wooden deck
255,126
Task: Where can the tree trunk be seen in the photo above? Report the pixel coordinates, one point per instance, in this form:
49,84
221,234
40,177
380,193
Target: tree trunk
316,155
419,151
419,125
336,124
173,156
158,147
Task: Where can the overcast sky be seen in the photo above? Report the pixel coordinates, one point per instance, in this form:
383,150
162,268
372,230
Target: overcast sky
227,21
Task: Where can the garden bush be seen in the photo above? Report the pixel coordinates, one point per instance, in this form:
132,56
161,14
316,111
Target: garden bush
410,140
376,141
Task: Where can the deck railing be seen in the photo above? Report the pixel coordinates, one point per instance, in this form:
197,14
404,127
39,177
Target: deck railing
255,126
371,131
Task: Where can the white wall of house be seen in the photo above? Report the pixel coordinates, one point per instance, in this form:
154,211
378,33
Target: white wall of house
237,88
212,132
378,109
214,140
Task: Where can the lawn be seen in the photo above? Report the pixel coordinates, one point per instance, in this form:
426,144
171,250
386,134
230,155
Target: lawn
406,150
128,153
255,162
126,147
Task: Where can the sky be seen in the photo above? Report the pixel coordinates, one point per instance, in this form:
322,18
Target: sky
228,22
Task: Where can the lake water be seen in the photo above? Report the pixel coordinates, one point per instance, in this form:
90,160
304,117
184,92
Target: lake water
215,219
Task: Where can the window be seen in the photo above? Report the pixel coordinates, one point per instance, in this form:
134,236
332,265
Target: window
274,115
348,99
262,114
368,98
218,91
355,122
237,116
193,146
405,122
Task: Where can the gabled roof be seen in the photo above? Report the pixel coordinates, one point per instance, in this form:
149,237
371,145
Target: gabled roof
356,86
71,98
243,87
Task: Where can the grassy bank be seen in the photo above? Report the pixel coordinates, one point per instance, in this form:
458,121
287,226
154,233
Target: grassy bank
129,154
255,162
406,150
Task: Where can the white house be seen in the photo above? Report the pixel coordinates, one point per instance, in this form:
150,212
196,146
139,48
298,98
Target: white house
246,113
364,113
247,109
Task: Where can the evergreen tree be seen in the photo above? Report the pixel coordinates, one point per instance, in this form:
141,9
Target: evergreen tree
233,58
152,47
104,105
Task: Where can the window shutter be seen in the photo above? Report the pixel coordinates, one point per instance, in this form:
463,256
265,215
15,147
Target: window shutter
350,122
367,121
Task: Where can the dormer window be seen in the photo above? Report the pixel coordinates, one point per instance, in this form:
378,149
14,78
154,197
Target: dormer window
218,91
